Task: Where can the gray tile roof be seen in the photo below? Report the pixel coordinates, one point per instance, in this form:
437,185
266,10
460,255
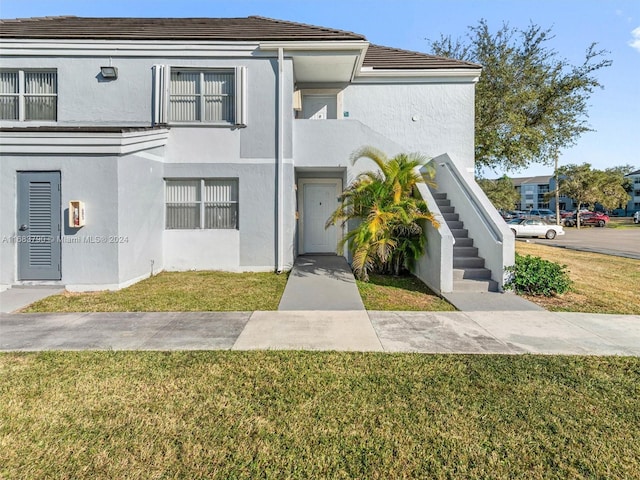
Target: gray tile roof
253,28
387,58
245,28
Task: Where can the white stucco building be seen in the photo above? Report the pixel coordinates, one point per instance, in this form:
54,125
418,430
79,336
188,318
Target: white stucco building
133,145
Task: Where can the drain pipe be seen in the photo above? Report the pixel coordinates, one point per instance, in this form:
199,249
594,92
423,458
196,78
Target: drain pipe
279,166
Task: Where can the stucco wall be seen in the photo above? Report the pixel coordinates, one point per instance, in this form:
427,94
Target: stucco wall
225,144
431,119
256,237
330,143
88,257
140,215
124,195
85,98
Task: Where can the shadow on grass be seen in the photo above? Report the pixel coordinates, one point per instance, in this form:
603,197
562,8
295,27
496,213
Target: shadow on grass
404,282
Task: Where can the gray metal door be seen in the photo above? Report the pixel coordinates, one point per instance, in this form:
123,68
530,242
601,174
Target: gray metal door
39,225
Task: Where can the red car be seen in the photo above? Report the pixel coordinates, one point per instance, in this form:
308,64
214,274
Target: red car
597,219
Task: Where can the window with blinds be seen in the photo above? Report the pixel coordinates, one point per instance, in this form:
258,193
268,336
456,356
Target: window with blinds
202,96
28,95
210,203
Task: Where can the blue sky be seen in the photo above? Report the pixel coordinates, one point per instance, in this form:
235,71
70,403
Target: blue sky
614,111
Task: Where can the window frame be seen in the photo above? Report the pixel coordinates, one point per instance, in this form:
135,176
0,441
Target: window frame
161,114
201,96
202,203
21,95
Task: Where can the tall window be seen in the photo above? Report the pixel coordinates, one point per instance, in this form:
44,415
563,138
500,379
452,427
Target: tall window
210,203
202,96
28,95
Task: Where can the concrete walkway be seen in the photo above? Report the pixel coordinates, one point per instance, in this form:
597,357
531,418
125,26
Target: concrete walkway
322,310
476,332
321,282
19,297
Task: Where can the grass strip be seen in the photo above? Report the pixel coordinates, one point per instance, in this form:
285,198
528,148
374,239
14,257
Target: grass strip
105,415
198,291
602,283
406,293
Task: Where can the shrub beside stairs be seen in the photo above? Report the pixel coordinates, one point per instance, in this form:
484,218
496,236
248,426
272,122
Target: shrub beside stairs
469,272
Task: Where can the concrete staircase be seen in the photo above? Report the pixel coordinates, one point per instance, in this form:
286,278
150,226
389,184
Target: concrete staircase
469,273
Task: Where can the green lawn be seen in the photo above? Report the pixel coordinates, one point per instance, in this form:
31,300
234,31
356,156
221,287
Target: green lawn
178,291
386,292
106,415
601,283
223,291
621,222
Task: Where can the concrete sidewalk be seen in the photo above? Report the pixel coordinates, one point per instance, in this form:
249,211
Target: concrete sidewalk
478,332
321,282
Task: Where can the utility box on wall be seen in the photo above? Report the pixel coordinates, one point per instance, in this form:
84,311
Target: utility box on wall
76,214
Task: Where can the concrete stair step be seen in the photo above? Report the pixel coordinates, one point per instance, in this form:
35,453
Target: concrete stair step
460,232
464,251
463,242
475,286
468,262
471,274
457,224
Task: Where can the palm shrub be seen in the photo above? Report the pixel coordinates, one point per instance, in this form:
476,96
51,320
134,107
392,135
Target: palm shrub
388,235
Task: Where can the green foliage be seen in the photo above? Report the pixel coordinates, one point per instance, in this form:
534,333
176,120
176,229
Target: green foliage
529,102
587,186
389,235
535,276
614,187
500,192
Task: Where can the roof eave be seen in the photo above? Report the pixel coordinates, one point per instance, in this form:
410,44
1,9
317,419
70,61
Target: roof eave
319,45
464,74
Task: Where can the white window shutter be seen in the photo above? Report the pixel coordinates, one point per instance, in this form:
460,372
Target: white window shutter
241,95
160,93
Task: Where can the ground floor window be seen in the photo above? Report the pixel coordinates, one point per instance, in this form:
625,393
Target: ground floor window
201,203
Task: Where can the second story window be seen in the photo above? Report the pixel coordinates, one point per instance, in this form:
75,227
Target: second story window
27,95
209,96
202,96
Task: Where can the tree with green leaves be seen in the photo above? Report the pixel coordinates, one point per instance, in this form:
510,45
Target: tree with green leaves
500,192
530,103
613,186
578,182
587,186
388,235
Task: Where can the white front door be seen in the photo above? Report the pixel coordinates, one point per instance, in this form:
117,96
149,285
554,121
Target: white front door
319,199
319,107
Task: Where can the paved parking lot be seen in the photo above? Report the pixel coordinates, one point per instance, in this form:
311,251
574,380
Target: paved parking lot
612,241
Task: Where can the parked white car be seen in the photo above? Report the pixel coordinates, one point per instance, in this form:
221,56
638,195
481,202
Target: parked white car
636,217
534,227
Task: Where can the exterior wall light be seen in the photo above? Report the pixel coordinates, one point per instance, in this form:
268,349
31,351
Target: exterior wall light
109,72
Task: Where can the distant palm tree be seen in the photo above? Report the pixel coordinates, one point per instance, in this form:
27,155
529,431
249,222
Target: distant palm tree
389,235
